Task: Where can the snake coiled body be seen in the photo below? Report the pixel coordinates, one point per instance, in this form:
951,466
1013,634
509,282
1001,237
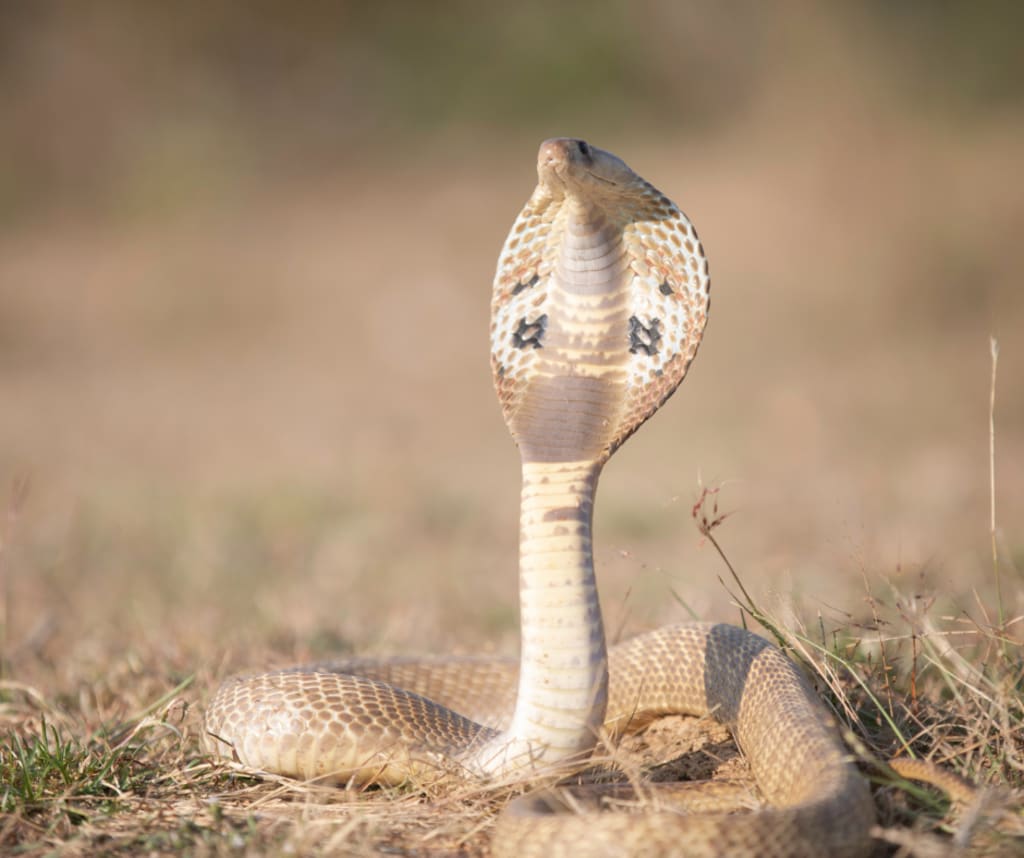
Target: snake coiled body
600,300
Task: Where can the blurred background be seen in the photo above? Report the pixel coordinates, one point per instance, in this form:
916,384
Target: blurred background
245,261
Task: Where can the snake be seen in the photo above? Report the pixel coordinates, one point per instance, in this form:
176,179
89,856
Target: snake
598,308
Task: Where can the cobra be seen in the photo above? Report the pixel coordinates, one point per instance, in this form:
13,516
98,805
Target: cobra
599,305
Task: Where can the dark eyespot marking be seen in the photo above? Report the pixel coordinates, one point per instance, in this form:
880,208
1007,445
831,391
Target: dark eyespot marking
521,286
663,287
644,338
530,333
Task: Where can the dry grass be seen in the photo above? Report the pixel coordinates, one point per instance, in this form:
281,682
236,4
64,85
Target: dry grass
945,692
107,761
112,765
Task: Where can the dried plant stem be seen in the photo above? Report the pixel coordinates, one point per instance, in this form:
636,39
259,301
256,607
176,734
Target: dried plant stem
5,595
19,492
994,350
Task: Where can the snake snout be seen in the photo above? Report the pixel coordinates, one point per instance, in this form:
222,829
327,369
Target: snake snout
556,150
559,155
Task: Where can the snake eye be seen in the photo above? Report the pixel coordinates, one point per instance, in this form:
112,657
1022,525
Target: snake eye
584,148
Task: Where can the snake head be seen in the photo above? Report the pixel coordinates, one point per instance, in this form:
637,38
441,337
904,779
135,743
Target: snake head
569,167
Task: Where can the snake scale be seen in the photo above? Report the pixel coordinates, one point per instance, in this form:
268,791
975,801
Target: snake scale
600,300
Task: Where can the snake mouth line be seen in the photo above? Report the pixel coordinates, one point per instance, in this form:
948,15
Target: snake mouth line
560,170
594,175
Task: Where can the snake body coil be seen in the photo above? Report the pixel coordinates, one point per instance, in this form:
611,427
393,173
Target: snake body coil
600,301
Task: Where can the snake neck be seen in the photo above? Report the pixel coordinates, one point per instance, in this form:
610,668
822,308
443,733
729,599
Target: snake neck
565,420
563,680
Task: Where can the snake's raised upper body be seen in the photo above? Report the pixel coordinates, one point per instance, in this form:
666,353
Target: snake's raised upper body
599,303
